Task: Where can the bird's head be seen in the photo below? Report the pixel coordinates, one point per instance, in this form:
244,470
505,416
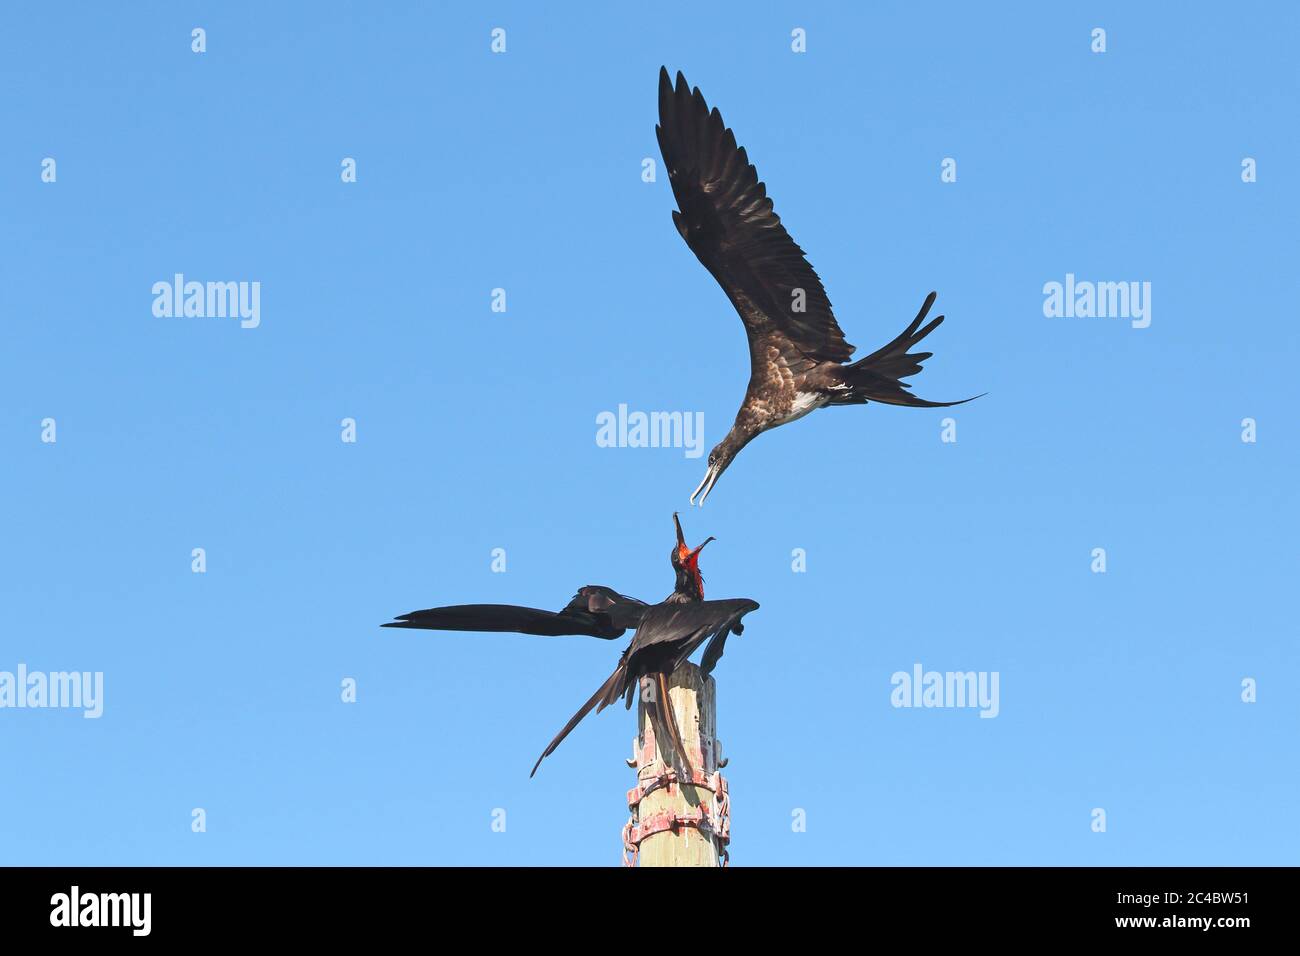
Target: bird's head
719,459
686,562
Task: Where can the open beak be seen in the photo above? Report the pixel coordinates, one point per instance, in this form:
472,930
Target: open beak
683,552
710,479
696,553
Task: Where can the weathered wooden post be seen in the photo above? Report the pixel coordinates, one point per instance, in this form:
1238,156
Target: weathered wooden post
679,822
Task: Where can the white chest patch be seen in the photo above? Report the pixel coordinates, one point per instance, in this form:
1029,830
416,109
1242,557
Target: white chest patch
804,402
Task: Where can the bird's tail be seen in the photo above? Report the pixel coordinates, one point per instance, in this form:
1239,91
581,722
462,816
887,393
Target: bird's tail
878,377
609,691
668,718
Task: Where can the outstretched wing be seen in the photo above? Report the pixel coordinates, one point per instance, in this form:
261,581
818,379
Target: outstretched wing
685,627
595,610
729,223
622,611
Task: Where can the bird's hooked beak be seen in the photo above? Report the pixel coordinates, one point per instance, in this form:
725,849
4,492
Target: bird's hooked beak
684,554
695,555
710,479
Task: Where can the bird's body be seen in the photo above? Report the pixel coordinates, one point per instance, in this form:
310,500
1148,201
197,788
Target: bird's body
799,359
667,633
670,633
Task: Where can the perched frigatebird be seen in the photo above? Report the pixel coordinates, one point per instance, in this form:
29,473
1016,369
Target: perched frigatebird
799,360
667,634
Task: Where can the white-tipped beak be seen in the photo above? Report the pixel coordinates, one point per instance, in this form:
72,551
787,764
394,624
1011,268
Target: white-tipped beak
703,481
706,485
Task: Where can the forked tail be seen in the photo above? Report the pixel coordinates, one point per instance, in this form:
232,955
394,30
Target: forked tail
879,376
609,692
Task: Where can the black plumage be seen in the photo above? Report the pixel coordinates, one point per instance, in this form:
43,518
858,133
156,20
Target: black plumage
595,610
667,634
670,633
799,359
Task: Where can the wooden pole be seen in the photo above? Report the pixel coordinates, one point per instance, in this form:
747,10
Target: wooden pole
679,822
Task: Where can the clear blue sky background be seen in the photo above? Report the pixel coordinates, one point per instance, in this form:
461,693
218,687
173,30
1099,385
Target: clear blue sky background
477,430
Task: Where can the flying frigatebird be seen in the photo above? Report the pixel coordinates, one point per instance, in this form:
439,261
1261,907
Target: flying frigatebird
799,360
667,634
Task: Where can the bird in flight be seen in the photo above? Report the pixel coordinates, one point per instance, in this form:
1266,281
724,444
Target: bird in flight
799,360
666,635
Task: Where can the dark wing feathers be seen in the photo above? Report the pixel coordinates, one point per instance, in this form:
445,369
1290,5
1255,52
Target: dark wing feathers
713,650
728,221
676,628
485,617
686,626
622,611
595,611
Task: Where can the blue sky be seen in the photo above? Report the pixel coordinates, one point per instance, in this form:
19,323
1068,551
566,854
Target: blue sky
476,430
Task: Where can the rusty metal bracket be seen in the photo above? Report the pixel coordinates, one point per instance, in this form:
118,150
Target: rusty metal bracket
670,820
713,782
712,819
